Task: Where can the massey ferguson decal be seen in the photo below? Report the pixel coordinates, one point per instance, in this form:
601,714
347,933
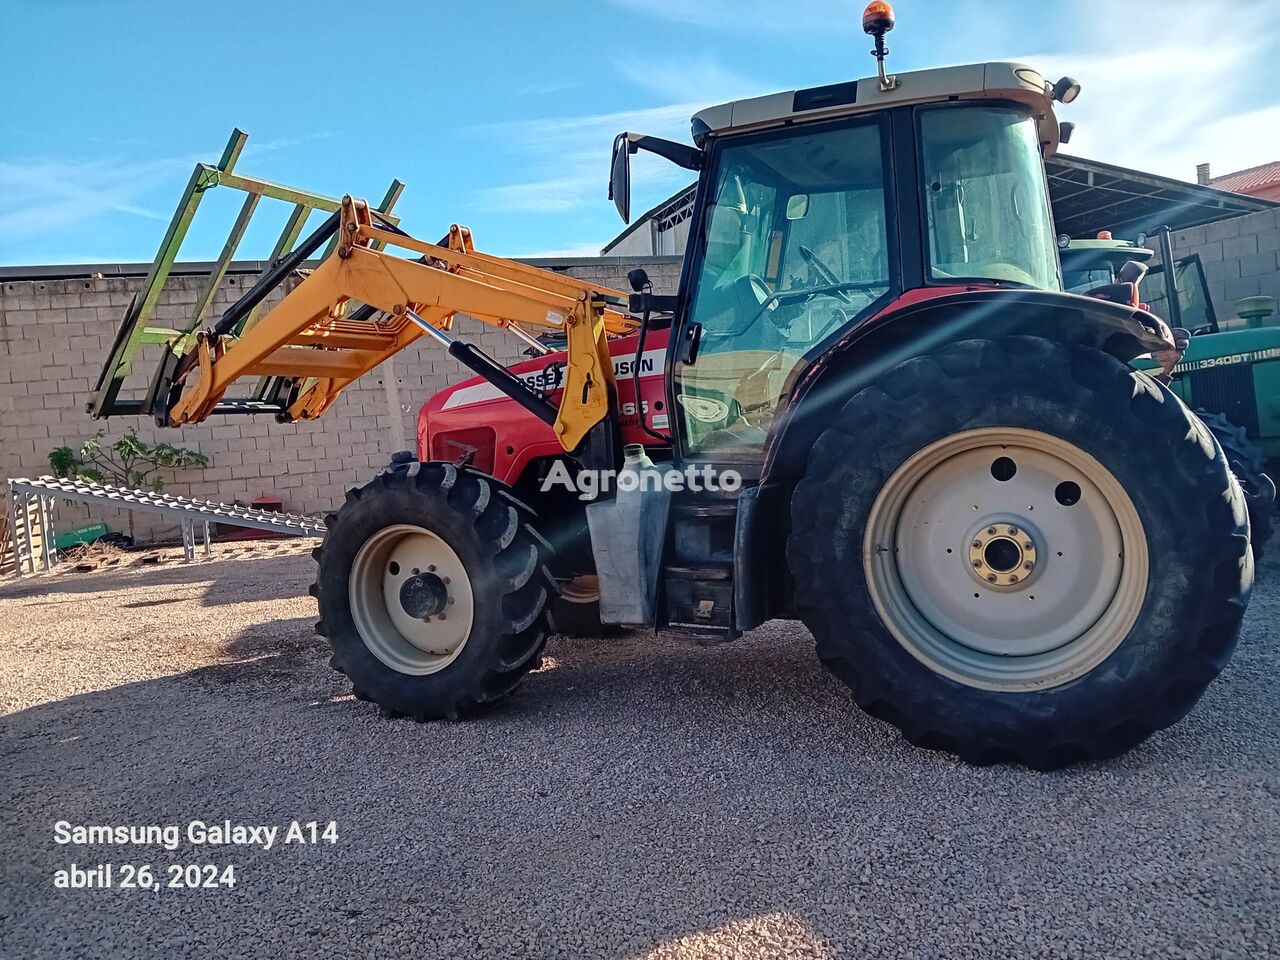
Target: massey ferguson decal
551,377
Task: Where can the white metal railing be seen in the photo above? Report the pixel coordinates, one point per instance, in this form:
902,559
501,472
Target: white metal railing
189,513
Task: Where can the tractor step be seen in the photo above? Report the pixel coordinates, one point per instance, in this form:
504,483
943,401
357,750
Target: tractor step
698,576
700,601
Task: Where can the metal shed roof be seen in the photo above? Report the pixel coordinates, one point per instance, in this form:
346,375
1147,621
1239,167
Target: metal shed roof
1088,196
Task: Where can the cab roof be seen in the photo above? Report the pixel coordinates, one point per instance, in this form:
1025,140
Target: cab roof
976,81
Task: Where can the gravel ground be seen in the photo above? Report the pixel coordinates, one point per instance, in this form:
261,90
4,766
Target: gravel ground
637,798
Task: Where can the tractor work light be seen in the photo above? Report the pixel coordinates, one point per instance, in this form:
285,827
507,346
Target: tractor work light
1066,89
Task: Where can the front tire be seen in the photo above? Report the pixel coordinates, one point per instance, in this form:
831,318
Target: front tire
916,548
432,588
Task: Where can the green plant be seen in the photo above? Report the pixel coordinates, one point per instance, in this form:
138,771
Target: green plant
126,462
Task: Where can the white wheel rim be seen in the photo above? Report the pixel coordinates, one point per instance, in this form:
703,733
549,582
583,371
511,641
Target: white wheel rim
411,599
999,581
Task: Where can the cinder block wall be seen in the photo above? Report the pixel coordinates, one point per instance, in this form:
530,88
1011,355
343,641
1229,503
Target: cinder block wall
54,336
1241,257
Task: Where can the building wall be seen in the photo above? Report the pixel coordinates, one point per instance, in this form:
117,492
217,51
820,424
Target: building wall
54,336
1241,257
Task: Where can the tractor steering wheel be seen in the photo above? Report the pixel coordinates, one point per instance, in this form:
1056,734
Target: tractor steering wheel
825,273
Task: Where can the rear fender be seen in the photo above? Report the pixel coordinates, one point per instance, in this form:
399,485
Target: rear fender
902,332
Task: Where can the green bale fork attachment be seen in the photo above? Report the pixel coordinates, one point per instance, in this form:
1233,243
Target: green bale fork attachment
139,327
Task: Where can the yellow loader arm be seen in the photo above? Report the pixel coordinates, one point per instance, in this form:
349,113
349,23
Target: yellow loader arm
310,335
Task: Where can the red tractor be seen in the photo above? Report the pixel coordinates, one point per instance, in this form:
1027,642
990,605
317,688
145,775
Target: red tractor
870,407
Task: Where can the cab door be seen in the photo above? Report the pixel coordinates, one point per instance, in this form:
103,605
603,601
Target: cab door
792,249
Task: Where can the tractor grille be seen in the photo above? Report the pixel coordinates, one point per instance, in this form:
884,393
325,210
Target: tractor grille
1229,391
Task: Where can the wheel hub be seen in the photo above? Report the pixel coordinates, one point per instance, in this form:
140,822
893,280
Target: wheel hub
423,596
1003,554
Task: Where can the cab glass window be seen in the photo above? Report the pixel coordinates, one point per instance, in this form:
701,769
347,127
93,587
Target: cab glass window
985,197
795,243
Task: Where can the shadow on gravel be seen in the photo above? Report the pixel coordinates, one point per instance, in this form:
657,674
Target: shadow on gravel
635,794
255,578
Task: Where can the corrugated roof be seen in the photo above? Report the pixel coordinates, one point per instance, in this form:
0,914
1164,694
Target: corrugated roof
1088,196
1250,178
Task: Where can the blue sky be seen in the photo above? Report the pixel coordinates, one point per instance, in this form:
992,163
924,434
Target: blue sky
499,114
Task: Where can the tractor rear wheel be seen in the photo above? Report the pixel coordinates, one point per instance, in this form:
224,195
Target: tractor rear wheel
1018,550
1248,465
432,590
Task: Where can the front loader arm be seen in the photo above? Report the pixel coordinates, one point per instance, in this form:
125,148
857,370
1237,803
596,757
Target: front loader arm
318,337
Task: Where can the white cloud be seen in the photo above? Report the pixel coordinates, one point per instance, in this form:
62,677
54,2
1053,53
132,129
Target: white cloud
568,158
1166,97
43,197
703,80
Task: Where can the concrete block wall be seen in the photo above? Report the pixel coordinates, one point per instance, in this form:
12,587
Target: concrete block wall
54,336
1241,257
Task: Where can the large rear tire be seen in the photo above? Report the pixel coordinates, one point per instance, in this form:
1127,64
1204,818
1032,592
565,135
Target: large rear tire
432,588
1249,467
964,483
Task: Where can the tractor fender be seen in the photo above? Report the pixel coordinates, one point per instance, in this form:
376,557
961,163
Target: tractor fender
909,327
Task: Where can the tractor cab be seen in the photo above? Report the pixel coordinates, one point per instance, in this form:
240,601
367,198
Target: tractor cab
819,209
1097,262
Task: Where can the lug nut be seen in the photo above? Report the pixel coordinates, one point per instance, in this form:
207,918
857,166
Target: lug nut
977,544
1013,531
1028,565
977,564
991,578
446,579
431,568
1013,578
991,529
1028,545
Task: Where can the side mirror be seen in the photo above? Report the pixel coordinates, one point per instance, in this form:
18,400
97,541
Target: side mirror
797,206
620,176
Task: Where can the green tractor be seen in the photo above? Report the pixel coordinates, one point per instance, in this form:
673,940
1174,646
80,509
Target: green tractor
1229,376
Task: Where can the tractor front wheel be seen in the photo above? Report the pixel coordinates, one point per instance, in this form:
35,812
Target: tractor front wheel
1018,550
432,590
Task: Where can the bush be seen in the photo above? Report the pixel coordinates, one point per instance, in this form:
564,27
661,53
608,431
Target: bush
127,462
